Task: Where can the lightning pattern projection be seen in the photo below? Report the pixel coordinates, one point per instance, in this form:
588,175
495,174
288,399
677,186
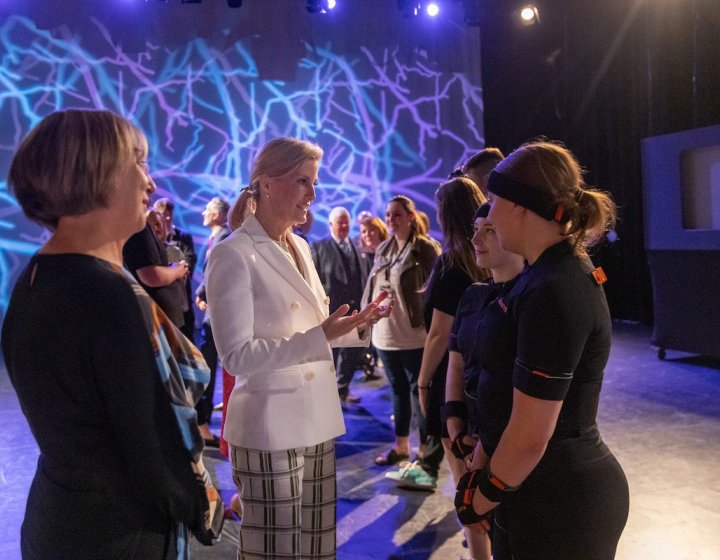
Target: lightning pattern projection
387,125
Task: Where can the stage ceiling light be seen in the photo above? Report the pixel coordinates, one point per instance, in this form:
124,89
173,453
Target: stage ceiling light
409,8
432,9
530,15
320,6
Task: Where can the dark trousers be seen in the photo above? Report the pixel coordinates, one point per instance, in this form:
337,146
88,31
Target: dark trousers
436,429
402,368
188,328
204,406
347,361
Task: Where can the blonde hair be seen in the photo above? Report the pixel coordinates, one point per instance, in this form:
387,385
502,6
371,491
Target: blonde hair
65,166
276,158
553,168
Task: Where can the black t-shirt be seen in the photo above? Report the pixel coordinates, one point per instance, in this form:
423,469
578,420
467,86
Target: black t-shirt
484,334
143,249
549,337
563,335
445,289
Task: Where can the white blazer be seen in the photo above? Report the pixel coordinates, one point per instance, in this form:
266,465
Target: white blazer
266,323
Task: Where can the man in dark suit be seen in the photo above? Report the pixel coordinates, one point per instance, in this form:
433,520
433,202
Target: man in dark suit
214,217
343,271
184,242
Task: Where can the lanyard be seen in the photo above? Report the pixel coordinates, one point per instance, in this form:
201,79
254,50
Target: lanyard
394,261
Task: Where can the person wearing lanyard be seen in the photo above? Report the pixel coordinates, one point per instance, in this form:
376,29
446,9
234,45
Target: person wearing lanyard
402,265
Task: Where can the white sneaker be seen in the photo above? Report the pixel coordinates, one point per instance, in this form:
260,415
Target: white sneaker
413,476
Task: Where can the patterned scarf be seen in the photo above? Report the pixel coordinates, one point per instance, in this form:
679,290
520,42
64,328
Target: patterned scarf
185,375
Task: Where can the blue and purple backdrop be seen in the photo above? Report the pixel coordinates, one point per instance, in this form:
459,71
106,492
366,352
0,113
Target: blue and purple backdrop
395,103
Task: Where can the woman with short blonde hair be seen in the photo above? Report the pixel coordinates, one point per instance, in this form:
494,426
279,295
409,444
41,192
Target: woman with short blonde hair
105,380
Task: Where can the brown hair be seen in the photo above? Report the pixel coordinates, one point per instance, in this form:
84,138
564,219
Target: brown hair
157,217
485,160
409,207
554,168
378,224
457,201
65,165
276,158
423,223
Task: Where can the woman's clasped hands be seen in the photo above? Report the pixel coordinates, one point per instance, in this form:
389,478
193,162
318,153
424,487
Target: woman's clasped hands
339,323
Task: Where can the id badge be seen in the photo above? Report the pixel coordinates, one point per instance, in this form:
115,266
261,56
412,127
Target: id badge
387,288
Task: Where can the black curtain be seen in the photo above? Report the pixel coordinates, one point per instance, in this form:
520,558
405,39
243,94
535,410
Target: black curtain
600,76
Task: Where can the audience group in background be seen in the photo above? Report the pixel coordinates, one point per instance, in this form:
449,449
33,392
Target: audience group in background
493,341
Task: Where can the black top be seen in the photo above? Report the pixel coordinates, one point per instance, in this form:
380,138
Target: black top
549,337
112,464
143,249
483,333
184,241
563,336
446,287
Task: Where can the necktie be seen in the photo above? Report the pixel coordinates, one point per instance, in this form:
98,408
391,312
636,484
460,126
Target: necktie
345,248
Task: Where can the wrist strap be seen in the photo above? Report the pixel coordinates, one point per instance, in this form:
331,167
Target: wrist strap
492,487
459,448
463,499
455,409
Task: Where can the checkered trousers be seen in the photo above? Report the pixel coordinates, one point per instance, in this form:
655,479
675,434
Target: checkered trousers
288,500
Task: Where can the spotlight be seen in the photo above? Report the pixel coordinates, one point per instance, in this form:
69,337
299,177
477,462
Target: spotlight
432,9
529,15
320,6
409,8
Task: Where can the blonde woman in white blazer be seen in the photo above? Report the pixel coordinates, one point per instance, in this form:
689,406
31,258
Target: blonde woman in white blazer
274,334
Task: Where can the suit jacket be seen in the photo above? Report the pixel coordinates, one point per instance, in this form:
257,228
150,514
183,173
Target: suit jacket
266,320
330,263
200,292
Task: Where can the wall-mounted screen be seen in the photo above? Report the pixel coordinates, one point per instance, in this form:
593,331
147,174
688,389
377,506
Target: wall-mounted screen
700,187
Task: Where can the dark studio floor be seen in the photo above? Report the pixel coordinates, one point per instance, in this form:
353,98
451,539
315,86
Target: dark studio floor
661,419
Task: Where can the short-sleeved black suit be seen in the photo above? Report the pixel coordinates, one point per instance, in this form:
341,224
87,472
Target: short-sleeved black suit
574,504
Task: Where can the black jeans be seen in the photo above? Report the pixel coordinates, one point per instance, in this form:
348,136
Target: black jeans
204,407
347,362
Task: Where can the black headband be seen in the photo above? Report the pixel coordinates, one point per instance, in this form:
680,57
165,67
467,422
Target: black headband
535,199
483,211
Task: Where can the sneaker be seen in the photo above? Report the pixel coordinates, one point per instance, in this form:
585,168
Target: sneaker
413,476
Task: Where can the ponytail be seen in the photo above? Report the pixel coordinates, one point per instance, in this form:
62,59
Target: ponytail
244,205
592,213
